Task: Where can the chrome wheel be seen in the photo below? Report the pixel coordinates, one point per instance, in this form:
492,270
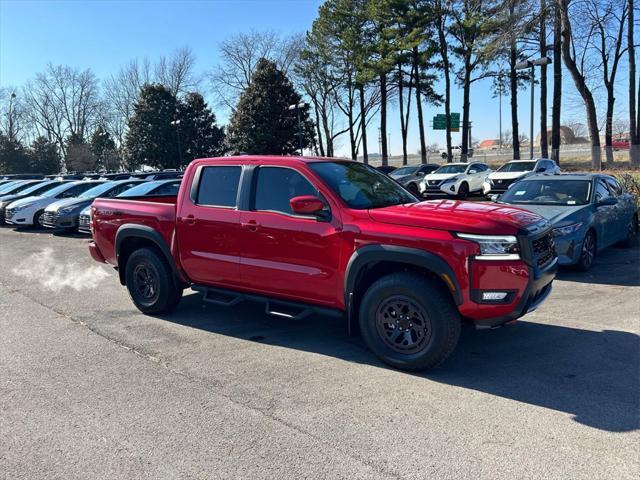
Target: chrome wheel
403,325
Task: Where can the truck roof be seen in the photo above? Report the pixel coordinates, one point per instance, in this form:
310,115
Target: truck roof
284,159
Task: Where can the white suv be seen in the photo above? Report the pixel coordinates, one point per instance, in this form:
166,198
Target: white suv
503,178
459,179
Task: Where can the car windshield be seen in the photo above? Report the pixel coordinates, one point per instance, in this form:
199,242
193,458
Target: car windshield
451,169
18,187
517,167
38,188
97,190
405,171
360,186
549,192
59,189
140,190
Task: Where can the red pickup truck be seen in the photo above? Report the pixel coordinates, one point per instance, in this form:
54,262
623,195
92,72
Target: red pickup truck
314,235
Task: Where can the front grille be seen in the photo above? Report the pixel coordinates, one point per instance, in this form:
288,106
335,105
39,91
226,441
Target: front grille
544,249
434,183
83,223
49,218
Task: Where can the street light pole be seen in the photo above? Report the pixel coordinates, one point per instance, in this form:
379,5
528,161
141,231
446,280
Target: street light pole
176,123
297,107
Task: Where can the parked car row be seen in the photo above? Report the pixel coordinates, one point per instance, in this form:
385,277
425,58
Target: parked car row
60,203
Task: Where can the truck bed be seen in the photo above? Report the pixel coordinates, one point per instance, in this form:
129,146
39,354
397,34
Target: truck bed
108,214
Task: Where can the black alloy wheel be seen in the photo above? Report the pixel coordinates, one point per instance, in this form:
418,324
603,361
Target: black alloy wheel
403,325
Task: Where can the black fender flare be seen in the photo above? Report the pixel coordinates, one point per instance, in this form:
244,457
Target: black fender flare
132,230
371,254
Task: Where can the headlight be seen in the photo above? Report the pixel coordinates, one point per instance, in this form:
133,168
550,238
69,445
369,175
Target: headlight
65,211
495,247
449,180
566,230
22,207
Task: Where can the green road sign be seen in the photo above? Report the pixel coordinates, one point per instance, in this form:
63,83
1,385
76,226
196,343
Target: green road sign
440,122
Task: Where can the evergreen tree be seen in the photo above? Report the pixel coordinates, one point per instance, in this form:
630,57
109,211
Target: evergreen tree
152,136
44,157
103,148
13,155
262,122
199,135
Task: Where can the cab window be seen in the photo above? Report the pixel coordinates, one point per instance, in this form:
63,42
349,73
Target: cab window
219,186
275,186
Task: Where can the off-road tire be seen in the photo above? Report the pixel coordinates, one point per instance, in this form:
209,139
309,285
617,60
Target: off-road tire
162,294
436,306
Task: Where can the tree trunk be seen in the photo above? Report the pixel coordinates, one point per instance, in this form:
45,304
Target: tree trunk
318,128
363,125
416,70
403,130
557,86
513,90
383,119
465,109
634,133
608,132
581,86
544,147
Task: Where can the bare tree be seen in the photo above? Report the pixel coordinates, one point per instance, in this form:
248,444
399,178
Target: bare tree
575,51
557,84
63,101
608,19
239,57
176,71
11,114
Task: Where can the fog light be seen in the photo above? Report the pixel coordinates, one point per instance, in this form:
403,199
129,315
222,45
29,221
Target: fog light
493,296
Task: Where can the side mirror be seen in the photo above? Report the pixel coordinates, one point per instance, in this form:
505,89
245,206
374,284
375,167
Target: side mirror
495,197
472,171
420,174
607,202
541,169
306,205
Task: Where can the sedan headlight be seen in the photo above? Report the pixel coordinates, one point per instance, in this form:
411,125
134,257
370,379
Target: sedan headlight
22,207
65,211
495,247
567,229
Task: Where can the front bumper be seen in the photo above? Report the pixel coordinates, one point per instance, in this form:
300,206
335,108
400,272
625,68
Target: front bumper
55,220
440,189
569,248
18,217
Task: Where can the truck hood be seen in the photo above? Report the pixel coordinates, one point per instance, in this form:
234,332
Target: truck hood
453,215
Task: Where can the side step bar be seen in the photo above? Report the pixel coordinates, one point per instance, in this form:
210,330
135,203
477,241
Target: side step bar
274,307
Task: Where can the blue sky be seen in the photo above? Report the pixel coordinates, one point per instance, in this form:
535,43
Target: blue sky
105,34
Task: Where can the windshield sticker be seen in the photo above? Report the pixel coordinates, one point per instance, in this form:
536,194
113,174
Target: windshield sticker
571,202
520,192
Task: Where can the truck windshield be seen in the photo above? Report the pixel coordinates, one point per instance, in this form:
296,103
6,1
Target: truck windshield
549,192
360,186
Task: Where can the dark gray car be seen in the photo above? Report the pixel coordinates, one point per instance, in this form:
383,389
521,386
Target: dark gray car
410,176
65,213
589,212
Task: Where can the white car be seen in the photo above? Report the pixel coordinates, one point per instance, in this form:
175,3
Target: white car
503,178
28,211
459,179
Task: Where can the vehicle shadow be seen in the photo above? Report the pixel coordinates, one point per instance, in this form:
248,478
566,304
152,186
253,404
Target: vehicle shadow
614,266
591,375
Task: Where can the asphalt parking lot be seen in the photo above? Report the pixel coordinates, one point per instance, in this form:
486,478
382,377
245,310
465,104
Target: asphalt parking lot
90,388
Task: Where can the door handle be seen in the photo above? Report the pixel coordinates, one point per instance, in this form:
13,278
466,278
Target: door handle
189,220
251,225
